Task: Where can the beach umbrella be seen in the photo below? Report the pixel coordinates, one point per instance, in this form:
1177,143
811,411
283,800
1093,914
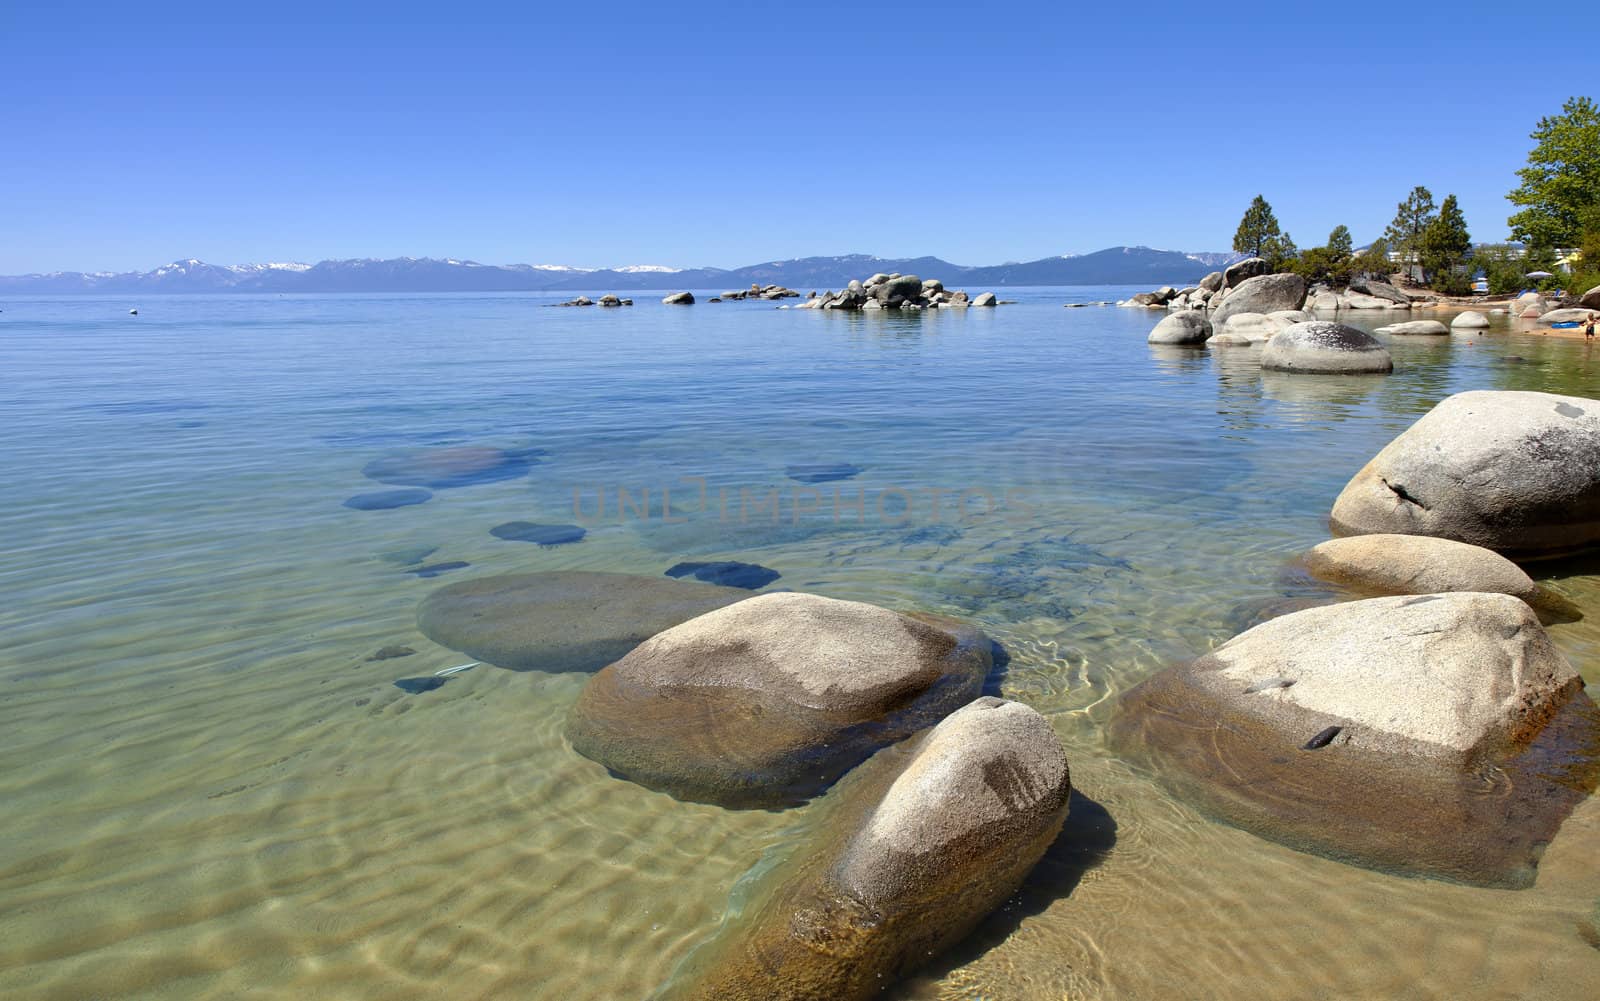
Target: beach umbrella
1538,274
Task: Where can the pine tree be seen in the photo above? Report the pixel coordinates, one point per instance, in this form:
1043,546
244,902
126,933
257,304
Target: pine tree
1257,229
1444,246
1340,246
1411,219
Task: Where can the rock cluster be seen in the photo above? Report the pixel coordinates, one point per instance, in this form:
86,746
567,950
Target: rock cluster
897,291
605,300
768,292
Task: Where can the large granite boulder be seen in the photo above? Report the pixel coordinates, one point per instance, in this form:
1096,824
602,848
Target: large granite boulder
1516,472
1239,272
1415,328
985,299
1213,282
566,620
1438,735
1324,302
679,299
1529,303
1323,346
1263,294
1360,300
919,845
1420,564
1187,327
1469,320
1380,290
767,702
902,288
1590,299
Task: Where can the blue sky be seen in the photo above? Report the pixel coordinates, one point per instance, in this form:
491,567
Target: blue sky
723,134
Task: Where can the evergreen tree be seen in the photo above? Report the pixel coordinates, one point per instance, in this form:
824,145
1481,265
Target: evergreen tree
1561,183
1257,229
1410,221
1373,261
1445,244
1280,251
1340,247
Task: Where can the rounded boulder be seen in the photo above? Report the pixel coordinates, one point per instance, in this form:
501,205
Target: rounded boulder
1323,346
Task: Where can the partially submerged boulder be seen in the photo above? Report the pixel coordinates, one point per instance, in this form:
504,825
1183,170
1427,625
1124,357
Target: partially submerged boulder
1414,328
1439,735
1187,327
679,299
1263,294
1323,346
1419,564
1380,290
766,703
1565,316
1516,472
920,844
568,620
1469,320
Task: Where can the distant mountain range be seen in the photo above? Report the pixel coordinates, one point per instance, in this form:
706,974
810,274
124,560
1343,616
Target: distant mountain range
1114,266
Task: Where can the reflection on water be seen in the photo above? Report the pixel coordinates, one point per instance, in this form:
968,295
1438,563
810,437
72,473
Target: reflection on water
214,789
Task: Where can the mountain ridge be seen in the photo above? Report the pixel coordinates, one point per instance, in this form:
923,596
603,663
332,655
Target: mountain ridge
1112,266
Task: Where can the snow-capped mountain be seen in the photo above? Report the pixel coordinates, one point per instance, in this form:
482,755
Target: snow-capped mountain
1113,266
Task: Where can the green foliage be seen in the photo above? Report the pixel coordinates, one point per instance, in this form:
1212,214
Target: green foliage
1411,220
1280,252
1340,245
1374,261
1444,247
1322,264
1561,183
1257,229
1502,268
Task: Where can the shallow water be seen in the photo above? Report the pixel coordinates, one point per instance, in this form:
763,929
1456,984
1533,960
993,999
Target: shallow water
211,791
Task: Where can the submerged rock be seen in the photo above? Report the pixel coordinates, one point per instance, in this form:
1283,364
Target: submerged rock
767,702
416,686
443,468
561,621
385,500
1460,738
1419,564
920,846
391,652
727,573
435,569
409,555
1323,346
822,472
1516,472
543,535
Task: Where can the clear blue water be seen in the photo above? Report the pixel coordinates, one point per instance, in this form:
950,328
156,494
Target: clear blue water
213,792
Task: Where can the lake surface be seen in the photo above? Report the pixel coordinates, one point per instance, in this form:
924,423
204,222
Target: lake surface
212,790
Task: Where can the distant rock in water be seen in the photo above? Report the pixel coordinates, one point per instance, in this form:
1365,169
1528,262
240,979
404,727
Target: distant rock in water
416,686
544,535
679,299
435,569
443,468
385,500
822,472
562,621
896,291
727,573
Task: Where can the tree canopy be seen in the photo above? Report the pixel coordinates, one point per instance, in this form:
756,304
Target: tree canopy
1411,220
1444,247
1340,246
1257,230
1561,183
